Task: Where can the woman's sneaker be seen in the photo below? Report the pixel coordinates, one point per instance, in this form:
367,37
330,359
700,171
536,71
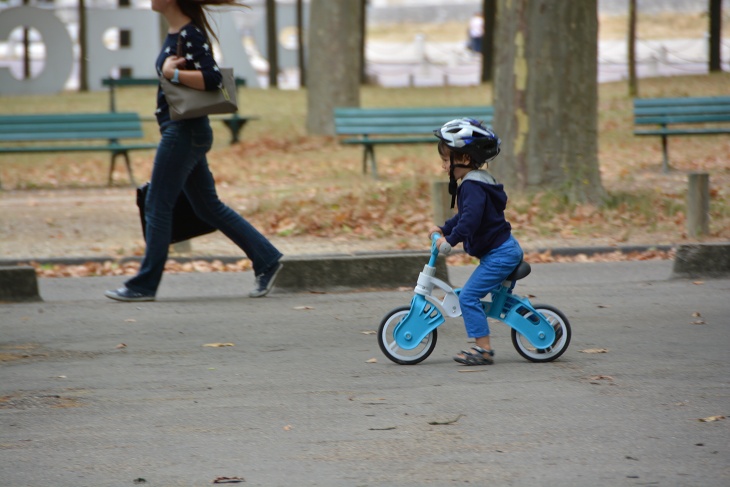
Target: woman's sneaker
127,295
265,281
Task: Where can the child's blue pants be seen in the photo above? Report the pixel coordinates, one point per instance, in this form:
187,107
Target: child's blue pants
493,268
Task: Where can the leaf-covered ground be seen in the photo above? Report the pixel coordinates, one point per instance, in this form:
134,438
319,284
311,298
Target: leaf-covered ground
310,196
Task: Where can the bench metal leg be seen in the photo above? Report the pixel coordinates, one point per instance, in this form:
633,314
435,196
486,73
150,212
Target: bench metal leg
665,155
369,153
128,163
234,124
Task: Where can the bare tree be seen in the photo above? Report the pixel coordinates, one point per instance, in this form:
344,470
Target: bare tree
272,43
333,71
546,94
631,45
715,35
83,67
300,45
489,13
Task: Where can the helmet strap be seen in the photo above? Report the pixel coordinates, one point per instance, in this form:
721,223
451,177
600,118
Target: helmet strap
452,180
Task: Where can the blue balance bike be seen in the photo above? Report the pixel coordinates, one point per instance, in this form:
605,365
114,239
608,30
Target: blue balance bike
407,335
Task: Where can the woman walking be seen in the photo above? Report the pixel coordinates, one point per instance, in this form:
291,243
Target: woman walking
180,162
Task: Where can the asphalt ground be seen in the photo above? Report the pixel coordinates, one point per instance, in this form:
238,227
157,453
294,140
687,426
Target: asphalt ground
100,393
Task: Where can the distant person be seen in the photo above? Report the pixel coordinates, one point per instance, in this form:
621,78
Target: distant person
465,145
476,32
181,165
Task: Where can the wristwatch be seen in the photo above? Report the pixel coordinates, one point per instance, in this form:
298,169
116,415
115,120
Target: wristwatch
176,77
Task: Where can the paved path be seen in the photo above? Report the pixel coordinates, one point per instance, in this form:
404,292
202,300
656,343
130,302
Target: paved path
295,401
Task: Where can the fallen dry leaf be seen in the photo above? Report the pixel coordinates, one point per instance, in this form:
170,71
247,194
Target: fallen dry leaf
451,421
369,332
697,322
288,427
130,320
698,283
219,345
303,307
372,361
228,480
121,345
710,419
594,350
601,377
696,314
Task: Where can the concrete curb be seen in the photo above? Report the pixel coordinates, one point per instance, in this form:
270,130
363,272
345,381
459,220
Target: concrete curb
560,251
346,272
702,260
375,270
18,284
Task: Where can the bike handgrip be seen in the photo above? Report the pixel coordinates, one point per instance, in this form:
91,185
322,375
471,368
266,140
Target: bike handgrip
445,248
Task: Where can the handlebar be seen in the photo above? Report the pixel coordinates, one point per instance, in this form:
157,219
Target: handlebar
445,247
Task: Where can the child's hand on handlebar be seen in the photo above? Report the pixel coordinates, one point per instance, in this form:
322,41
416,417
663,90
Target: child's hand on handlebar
432,231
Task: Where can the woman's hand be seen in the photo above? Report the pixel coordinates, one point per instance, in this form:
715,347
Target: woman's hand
171,64
432,231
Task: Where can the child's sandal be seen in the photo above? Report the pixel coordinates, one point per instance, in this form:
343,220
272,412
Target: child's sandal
475,357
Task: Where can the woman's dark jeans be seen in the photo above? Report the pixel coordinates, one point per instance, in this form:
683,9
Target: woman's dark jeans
181,165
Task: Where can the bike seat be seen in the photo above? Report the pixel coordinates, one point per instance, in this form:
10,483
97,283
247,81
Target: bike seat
522,270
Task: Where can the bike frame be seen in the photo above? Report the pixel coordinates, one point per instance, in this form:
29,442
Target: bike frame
427,311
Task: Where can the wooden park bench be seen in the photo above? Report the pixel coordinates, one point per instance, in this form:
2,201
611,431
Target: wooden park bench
233,122
376,126
681,117
74,132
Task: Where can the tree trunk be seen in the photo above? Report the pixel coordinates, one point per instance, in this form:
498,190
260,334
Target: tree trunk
83,68
333,71
300,45
631,54
489,12
715,35
272,44
546,95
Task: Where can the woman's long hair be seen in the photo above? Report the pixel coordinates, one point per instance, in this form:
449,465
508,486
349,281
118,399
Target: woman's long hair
195,9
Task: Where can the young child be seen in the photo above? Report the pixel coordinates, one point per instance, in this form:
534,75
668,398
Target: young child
465,145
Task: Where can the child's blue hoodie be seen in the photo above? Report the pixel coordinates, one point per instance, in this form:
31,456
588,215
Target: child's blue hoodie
480,222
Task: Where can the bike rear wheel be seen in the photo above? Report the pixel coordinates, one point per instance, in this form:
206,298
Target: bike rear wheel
562,336
390,348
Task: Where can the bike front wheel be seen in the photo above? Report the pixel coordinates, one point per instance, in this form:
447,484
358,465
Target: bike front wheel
390,348
562,336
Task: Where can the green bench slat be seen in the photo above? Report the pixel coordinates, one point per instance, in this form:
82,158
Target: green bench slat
75,148
70,133
70,117
26,131
681,113
683,119
707,131
441,112
683,110
678,102
406,125
377,126
378,141
146,81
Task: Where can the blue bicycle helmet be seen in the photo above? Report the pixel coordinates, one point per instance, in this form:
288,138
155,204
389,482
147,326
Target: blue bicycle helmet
471,137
